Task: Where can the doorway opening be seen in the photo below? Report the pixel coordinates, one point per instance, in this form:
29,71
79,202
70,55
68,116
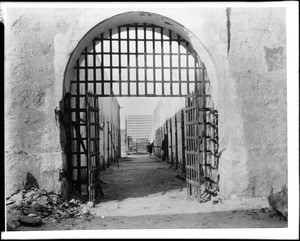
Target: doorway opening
140,60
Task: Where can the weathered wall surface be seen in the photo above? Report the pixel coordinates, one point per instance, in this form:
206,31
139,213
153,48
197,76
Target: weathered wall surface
32,141
248,89
165,109
257,60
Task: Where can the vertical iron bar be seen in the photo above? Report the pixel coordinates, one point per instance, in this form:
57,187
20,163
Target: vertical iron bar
153,45
111,64
120,71
78,155
145,57
86,103
136,60
95,103
94,68
128,62
187,64
185,143
204,122
102,64
179,64
195,72
162,61
176,142
88,145
97,134
171,71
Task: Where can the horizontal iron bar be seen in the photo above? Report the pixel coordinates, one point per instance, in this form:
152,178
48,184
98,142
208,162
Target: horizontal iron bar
140,39
132,81
126,95
133,53
134,67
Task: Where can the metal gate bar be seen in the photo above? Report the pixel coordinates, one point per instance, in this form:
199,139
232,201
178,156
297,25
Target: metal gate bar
93,150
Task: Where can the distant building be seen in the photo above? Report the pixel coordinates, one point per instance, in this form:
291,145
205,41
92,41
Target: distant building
138,130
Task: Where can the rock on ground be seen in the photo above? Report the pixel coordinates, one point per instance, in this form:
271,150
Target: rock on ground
279,201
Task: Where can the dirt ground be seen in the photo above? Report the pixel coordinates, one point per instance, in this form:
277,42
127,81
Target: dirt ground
144,193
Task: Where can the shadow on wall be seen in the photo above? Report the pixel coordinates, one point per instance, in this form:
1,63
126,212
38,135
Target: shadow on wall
30,182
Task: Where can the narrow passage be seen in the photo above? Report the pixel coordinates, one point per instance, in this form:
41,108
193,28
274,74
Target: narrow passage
140,176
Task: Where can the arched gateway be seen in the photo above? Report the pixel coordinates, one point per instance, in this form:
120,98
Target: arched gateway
139,54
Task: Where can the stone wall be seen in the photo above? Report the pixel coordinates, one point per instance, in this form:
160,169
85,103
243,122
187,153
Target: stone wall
257,60
244,53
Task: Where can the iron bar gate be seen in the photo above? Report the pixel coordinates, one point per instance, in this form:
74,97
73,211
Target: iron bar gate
201,141
86,149
93,146
141,60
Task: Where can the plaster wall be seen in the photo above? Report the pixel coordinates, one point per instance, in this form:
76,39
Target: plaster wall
248,88
166,108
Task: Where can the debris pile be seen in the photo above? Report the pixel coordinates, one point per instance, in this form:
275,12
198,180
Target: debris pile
34,205
279,202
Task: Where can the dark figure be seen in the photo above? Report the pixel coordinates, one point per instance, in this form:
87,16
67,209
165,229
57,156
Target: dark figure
152,147
149,149
164,147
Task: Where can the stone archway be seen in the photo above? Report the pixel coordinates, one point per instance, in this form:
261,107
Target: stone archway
113,25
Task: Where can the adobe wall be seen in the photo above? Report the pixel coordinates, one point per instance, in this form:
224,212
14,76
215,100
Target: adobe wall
248,89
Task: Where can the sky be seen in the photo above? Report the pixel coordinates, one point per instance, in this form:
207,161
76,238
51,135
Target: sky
136,106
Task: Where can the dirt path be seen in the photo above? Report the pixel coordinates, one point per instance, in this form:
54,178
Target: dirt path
144,193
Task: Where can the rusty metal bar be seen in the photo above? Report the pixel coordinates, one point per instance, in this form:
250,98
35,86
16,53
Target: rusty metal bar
145,58
128,63
114,40
78,186
154,76
94,64
162,61
88,143
110,56
136,60
85,70
188,74
195,72
179,65
102,65
171,71
126,67
120,60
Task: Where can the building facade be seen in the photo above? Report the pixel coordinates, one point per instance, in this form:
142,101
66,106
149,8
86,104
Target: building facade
138,132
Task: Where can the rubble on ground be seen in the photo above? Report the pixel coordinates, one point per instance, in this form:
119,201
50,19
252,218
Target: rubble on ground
279,202
33,206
